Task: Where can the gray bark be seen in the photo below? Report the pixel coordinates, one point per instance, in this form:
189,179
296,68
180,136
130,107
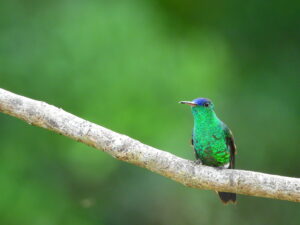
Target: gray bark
132,151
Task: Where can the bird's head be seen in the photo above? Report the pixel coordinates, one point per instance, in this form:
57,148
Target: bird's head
200,105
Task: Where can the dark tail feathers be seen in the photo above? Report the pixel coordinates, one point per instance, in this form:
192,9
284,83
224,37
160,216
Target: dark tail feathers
226,197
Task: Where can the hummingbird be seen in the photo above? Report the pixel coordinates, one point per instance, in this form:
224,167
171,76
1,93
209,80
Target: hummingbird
212,140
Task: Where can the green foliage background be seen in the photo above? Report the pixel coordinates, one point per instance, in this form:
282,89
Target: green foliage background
125,65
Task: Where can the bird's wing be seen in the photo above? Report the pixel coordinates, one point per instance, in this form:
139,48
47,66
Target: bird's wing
231,145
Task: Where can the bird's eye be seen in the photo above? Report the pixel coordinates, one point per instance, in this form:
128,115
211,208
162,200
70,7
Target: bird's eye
206,104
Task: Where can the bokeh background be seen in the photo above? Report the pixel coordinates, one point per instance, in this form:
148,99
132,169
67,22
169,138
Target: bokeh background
125,64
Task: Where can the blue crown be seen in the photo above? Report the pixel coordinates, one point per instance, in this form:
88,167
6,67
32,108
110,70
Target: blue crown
202,101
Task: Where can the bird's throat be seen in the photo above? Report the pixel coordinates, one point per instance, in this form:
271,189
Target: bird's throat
204,116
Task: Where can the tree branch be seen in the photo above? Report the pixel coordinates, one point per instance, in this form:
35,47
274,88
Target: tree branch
132,151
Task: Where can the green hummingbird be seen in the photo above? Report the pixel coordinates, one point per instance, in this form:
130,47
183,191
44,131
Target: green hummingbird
212,140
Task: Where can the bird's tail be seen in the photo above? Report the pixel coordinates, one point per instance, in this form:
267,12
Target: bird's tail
227,197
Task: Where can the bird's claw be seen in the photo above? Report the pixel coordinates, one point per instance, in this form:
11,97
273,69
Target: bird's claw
198,162
226,166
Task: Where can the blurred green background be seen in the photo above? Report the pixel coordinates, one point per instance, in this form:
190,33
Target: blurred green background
125,65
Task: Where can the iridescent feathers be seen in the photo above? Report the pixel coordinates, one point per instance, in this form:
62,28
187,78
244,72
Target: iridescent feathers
212,140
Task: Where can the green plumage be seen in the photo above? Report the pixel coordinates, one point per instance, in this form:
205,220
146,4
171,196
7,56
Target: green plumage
210,137
212,140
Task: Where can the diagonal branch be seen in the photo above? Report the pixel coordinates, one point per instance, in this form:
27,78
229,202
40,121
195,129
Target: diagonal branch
132,151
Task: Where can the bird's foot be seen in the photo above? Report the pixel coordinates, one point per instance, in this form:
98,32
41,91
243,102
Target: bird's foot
219,168
226,166
198,162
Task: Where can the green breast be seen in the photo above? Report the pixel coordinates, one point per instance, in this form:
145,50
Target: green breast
210,143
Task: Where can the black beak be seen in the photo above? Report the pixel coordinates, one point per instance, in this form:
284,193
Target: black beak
188,103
